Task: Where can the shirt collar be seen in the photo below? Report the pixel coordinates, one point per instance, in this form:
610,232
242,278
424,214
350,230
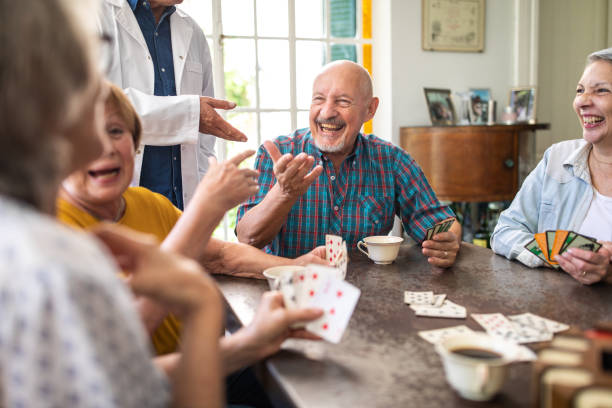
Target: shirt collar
579,162
134,4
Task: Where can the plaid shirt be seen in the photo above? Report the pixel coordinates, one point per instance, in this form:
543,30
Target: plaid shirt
375,182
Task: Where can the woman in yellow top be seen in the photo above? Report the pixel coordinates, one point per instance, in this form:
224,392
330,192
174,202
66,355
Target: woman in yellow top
101,192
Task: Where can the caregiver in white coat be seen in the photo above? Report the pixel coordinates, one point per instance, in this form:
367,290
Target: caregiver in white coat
188,119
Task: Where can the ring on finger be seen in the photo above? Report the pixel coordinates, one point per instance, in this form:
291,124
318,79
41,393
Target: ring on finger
445,254
583,273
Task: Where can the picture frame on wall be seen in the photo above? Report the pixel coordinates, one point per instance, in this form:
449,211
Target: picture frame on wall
522,102
453,25
440,106
479,105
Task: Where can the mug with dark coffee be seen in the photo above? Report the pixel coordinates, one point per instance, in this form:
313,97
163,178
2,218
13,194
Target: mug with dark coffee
475,364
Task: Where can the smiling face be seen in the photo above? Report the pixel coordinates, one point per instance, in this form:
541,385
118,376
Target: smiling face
593,102
103,181
341,102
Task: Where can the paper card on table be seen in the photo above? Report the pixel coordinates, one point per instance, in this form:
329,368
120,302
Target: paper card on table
525,354
538,323
498,325
338,300
437,335
533,247
550,239
447,310
418,298
583,242
560,237
438,300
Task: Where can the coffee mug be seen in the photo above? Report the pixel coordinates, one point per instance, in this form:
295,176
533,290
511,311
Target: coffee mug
475,364
382,249
274,273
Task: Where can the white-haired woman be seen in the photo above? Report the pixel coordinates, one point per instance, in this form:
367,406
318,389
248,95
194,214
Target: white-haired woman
69,335
571,188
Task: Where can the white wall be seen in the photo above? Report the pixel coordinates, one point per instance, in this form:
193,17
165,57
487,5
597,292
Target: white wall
401,69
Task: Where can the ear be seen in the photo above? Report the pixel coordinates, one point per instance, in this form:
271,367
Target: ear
372,108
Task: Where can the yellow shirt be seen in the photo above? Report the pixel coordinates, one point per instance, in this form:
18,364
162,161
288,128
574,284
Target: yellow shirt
147,212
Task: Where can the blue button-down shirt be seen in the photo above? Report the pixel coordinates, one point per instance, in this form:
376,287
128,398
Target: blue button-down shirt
375,182
161,165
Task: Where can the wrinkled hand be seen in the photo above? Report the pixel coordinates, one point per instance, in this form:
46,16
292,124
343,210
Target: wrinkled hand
228,184
177,282
293,174
442,249
271,324
316,256
585,266
212,123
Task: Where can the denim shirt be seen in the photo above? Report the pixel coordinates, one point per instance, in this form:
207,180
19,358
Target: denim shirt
556,195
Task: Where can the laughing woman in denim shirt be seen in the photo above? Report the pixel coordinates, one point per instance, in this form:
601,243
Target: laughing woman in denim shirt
571,188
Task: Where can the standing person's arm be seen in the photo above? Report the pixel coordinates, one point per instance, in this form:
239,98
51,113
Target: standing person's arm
293,175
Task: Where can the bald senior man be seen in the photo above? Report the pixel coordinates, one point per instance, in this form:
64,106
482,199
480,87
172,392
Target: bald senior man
358,184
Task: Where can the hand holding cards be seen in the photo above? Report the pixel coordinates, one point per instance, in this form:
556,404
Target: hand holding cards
442,226
322,287
547,245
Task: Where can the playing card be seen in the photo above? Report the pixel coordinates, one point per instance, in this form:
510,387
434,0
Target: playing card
583,242
418,298
438,300
570,237
560,237
338,300
437,335
538,323
288,291
446,224
550,239
447,310
498,325
541,240
343,260
525,354
533,247
308,282
441,226
333,244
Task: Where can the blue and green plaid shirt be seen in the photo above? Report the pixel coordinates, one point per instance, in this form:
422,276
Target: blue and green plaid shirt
375,182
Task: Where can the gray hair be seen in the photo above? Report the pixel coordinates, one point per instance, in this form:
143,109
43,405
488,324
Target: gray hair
46,63
601,55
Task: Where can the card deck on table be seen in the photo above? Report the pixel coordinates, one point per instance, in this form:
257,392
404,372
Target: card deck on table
538,322
418,298
447,310
338,299
496,324
437,335
441,226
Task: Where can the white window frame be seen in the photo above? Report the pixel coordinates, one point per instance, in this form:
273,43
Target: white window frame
217,37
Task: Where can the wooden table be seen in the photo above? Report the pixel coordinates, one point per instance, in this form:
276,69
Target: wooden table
381,362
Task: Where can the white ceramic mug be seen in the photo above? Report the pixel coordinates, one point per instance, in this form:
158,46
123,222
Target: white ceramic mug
274,273
474,378
382,249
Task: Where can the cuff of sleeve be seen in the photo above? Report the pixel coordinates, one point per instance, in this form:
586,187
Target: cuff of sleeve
193,117
529,259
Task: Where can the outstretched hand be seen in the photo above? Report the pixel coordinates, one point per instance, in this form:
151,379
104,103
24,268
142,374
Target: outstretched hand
228,184
212,123
293,174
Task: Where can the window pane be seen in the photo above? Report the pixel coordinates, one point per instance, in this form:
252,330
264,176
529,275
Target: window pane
272,18
201,11
309,18
274,74
239,64
343,23
310,57
237,17
303,119
275,124
343,52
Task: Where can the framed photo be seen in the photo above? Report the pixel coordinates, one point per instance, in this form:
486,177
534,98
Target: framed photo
479,106
522,101
440,106
453,25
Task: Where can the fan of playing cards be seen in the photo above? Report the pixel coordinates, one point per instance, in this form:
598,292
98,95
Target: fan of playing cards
547,245
322,287
442,226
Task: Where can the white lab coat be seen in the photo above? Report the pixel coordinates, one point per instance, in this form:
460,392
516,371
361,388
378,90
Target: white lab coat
167,120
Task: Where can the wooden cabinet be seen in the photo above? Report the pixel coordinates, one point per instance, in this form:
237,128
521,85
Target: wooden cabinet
473,163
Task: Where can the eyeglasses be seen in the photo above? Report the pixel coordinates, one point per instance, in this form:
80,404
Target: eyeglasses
106,53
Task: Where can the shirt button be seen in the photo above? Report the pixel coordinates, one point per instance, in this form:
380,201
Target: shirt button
174,188
375,221
320,163
174,158
333,178
156,34
335,208
163,70
148,57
